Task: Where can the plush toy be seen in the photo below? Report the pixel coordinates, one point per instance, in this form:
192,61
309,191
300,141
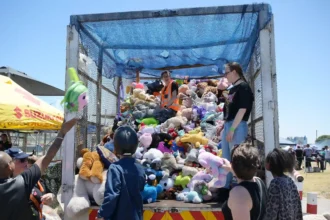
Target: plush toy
169,163
210,97
187,113
200,176
181,180
211,89
76,96
195,139
174,122
189,171
136,85
192,155
92,167
107,156
213,164
163,148
150,192
193,197
83,193
169,192
160,137
152,154
145,140
201,187
148,121
139,153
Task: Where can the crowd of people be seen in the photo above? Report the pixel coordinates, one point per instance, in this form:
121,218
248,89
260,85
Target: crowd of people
309,154
248,199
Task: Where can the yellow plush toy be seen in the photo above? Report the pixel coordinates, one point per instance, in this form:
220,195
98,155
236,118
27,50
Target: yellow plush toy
195,139
92,167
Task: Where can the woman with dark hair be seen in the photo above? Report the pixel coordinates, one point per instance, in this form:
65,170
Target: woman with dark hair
247,200
283,201
237,111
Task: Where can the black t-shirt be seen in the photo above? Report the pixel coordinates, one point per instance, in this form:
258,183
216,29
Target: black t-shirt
240,96
299,153
15,194
5,145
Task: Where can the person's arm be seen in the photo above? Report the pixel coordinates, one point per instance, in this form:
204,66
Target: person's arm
240,203
273,201
111,194
43,162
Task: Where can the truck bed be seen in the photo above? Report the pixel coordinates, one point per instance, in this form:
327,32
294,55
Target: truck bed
177,206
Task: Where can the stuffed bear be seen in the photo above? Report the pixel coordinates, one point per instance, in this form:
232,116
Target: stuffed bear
92,167
83,192
152,154
169,163
174,122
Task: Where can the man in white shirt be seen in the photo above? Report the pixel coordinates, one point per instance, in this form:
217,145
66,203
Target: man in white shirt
326,156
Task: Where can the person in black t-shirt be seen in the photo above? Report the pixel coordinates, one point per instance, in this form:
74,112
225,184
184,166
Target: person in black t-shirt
299,156
237,111
5,144
15,191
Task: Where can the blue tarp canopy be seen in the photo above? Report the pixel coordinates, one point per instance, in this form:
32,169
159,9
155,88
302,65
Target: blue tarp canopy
195,42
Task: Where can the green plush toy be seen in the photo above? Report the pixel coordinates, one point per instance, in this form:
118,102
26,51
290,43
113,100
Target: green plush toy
76,96
148,121
182,181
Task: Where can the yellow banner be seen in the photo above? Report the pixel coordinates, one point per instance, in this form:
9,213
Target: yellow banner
20,110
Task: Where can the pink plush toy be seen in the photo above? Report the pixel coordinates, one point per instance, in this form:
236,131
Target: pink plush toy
145,140
137,85
163,148
223,83
213,164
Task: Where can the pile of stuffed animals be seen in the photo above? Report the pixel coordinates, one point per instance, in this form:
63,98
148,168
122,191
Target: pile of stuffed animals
180,156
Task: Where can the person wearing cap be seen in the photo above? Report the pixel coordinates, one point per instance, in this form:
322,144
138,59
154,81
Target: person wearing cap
19,158
15,190
125,180
5,143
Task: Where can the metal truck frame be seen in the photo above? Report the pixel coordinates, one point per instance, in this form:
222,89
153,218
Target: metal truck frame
263,124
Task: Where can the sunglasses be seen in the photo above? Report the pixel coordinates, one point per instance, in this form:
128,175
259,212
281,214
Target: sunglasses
23,160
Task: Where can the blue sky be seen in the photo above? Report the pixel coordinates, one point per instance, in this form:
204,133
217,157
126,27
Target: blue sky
33,40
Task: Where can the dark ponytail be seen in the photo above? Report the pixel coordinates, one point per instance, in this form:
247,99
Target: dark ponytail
235,66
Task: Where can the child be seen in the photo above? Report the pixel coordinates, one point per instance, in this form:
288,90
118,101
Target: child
283,201
125,180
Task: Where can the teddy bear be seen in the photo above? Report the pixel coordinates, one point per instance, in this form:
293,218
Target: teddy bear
174,122
83,192
210,97
169,163
189,171
92,167
213,164
195,139
186,112
169,191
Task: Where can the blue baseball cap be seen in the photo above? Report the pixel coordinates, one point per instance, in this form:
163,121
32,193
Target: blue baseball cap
17,153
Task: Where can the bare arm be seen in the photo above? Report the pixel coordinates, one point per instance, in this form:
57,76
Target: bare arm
43,162
240,203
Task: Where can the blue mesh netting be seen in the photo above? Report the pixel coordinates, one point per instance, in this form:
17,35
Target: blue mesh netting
176,42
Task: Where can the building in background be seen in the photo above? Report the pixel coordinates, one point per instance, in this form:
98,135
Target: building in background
298,140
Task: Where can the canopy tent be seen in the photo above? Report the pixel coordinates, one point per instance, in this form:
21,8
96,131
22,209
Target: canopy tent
31,85
20,110
319,145
197,41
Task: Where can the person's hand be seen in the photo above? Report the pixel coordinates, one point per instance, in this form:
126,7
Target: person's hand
67,125
47,199
226,165
229,136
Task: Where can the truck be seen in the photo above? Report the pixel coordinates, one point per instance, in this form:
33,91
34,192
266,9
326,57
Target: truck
110,50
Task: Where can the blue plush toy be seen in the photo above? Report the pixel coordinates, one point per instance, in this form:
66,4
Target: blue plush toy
150,192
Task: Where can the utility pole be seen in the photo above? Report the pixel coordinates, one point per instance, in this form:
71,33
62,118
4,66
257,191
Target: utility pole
316,136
